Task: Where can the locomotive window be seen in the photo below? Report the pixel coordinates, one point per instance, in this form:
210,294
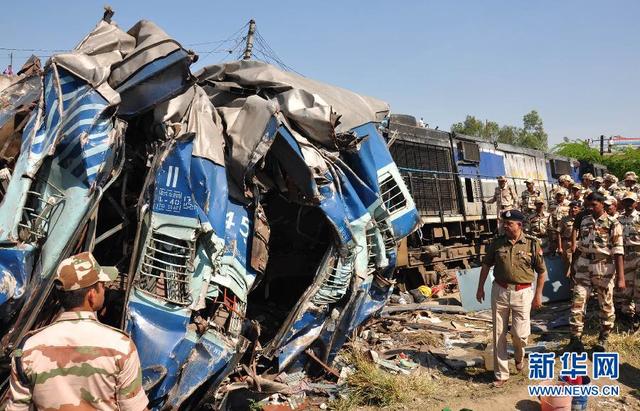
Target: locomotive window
470,151
392,195
468,186
560,167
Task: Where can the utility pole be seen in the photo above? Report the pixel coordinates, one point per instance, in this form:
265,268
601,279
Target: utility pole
249,47
601,145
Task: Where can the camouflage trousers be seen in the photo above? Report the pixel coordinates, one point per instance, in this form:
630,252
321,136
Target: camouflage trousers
599,277
626,300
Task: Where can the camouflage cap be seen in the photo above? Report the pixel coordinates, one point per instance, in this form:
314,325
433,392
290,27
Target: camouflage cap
610,200
575,204
598,180
529,181
539,200
630,195
611,178
630,176
81,271
502,178
577,187
565,177
587,177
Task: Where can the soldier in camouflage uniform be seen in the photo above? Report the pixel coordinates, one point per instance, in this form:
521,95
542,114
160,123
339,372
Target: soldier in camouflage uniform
611,185
611,206
565,181
529,198
598,186
560,210
576,193
599,254
631,182
625,300
565,234
537,224
77,363
587,184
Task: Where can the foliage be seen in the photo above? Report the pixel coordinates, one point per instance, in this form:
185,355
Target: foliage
618,162
531,134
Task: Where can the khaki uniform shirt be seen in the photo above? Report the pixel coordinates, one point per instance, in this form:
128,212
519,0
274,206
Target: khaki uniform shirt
630,230
537,225
528,201
615,191
504,198
77,363
565,226
515,263
601,236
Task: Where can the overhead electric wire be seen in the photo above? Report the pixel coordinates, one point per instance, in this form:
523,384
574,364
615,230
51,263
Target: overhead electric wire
262,47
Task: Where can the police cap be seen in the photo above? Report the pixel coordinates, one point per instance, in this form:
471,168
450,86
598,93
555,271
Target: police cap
513,215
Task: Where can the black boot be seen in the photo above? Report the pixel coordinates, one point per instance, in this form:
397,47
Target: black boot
601,346
575,345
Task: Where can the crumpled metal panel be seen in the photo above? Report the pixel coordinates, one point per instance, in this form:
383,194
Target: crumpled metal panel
215,150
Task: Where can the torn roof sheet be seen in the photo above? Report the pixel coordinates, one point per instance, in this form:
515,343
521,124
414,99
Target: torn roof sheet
318,110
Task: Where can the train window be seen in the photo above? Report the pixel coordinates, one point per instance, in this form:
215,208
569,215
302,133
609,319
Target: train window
560,167
392,195
468,186
470,151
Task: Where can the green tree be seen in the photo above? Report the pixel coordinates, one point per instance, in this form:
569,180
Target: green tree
508,135
618,162
471,126
531,135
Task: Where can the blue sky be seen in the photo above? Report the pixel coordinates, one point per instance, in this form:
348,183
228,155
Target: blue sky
576,62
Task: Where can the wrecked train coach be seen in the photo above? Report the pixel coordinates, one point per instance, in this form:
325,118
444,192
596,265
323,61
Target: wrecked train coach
254,214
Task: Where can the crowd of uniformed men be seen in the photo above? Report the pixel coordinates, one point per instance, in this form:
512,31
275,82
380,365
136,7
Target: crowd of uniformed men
594,226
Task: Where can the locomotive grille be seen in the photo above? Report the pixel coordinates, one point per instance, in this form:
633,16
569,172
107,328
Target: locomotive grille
470,151
560,167
428,172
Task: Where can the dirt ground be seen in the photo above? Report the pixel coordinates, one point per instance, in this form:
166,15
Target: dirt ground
420,336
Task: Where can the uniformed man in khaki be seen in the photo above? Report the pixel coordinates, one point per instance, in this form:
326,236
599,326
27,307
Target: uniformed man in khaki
537,224
587,184
77,363
627,301
505,199
529,197
597,265
631,182
516,257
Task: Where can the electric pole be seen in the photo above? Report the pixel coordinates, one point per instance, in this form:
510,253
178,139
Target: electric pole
601,145
249,47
